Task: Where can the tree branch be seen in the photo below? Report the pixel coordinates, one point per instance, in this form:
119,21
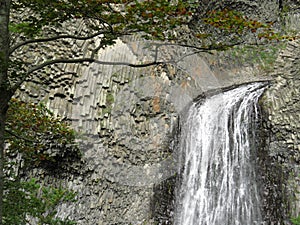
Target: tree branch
82,60
90,60
14,48
19,137
200,49
134,65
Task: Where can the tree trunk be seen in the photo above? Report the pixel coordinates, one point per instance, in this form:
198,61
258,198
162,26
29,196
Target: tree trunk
2,130
5,97
4,87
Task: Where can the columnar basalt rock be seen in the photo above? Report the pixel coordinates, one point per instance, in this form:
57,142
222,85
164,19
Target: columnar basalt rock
126,119
282,109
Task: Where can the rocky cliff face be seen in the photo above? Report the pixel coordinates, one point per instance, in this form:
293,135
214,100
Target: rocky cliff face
282,113
126,120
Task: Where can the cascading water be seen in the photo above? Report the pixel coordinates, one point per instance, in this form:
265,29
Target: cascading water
217,144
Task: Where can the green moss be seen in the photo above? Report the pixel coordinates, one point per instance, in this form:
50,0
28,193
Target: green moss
108,106
264,56
106,110
110,99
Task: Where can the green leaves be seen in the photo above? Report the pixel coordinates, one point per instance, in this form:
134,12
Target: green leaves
235,23
37,14
155,18
25,27
23,199
124,16
232,21
33,131
296,221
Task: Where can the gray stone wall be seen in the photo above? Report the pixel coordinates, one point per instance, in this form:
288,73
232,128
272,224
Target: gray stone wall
282,114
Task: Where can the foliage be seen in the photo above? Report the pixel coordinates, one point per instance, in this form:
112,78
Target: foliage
28,199
263,55
296,221
117,16
159,17
232,21
33,131
241,28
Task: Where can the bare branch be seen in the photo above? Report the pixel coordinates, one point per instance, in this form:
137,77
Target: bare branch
14,48
90,60
200,49
116,63
82,60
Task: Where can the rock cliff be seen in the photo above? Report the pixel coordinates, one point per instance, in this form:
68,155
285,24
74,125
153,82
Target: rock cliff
126,120
281,108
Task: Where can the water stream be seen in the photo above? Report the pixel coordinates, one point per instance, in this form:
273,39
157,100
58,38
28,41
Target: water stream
217,145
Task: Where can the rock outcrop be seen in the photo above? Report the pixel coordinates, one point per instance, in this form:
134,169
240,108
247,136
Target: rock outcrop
126,119
281,108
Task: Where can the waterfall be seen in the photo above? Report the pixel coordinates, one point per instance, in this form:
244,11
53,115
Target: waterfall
217,148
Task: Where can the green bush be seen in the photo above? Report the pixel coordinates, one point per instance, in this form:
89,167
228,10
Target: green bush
296,221
29,199
39,138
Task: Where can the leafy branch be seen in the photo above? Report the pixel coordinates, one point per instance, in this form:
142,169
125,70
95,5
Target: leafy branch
18,136
80,60
46,136
232,22
24,199
39,40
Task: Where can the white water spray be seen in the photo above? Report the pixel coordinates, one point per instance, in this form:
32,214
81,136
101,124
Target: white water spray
217,145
